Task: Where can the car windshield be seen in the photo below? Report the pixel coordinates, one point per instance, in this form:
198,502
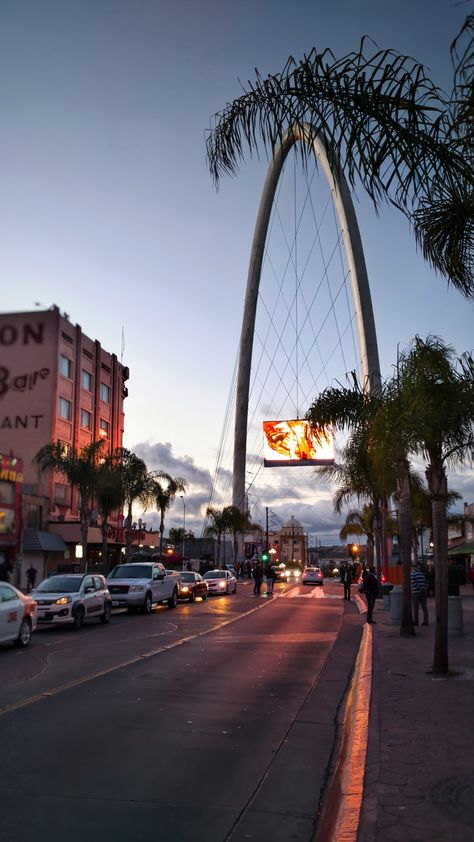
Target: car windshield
131,571
215,574
187,577
59,584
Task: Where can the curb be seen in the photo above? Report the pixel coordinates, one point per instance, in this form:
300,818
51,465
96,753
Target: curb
340,820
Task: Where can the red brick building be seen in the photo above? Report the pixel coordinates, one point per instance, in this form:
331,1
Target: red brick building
55,384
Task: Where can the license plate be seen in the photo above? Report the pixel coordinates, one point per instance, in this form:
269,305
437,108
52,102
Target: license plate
115,602
41,615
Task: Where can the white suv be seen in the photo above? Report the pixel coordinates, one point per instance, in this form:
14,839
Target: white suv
73,598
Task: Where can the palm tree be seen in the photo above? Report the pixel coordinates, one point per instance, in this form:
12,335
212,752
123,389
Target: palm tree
237,522
216,528
386,125
360,522
109,499
165,489
137,485
438,391
81,470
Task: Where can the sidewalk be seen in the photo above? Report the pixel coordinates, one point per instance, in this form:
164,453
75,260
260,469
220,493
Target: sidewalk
419,775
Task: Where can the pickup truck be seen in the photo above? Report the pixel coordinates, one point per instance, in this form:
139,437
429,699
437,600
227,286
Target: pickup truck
140,585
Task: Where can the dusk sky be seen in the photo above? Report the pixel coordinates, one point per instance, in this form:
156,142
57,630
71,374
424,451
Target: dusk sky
108,209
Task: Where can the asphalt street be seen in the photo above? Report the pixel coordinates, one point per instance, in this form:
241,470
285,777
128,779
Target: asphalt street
212,721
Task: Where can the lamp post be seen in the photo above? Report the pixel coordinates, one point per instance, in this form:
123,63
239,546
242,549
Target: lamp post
184,526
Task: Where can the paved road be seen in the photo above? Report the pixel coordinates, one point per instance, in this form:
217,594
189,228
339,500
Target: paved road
204,723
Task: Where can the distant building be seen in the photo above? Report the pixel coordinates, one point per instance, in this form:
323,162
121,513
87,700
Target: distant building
56,384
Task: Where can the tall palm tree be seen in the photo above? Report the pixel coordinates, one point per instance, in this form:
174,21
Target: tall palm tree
137,485
360,522
237,522
216,528
109,499
389,128
165,489
81,470
438,391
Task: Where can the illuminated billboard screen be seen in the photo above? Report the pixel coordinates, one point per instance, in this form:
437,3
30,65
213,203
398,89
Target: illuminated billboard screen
294,443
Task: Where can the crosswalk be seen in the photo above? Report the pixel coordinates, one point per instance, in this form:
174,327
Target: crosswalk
312,593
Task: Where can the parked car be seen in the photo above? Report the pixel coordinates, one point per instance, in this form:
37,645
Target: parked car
72,598
220,581
312,576
18,615
140,585
192,585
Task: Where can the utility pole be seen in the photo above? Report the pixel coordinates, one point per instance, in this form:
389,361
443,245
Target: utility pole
266,529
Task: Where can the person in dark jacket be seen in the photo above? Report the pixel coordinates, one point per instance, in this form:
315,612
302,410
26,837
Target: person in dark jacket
257,577
370,589
347,579
270,577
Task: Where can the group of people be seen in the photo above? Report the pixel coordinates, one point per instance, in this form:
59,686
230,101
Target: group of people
259,573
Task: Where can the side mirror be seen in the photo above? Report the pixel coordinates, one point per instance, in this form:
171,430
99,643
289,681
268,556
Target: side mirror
89,589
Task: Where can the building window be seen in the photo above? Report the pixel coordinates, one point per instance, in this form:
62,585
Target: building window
65,447
105,393
65,409
104,429
86,380
62,494
65,366
86,419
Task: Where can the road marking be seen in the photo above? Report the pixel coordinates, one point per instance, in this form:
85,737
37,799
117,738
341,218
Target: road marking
314,593
135,660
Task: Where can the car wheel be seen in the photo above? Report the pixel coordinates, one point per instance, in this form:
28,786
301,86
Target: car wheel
204,596
78,621
24,635
235,589
147,605
173,600
227,589
105,617
192,596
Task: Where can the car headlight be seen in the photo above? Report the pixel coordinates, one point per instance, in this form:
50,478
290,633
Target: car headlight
136,587
63,600
184,589
222,584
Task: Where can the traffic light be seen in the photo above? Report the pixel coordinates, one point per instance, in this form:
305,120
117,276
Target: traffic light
264,556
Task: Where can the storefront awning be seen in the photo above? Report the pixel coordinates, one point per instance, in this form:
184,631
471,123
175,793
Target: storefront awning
46,542
462,549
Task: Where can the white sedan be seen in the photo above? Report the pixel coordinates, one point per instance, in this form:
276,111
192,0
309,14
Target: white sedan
312,576
18,614
220,581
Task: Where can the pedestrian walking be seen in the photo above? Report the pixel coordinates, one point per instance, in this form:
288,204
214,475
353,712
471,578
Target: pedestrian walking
419,591
347,579
271,576
257,577
249,570
30,578
370,589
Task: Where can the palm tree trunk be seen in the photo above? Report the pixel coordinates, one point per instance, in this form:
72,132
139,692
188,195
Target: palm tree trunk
383,529
103,528
404,512
162,530
84,536
128,534
438,487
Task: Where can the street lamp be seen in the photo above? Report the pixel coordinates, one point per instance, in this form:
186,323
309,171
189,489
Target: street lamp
184,526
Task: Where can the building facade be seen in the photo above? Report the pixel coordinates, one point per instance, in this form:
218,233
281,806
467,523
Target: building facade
56,384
